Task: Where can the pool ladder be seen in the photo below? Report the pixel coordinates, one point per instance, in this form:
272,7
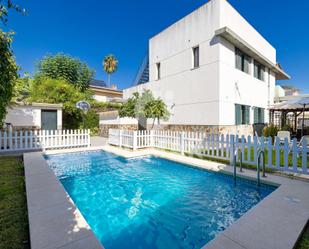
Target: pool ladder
235,162
260,153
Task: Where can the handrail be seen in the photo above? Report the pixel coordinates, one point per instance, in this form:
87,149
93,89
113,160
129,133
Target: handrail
238,149
259,154
141,69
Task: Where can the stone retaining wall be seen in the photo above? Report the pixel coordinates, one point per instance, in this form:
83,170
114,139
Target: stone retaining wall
104,128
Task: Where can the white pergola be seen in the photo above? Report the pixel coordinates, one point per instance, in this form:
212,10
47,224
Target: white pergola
296,106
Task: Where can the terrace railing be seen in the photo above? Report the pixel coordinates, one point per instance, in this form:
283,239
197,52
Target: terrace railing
279,154
25,140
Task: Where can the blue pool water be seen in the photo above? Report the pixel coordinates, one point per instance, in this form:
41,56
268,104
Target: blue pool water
151,202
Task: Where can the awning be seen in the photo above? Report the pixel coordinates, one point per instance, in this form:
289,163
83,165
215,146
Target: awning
300,103
240,43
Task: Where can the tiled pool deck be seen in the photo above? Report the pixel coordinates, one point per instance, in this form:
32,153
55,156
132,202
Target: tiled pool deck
55,222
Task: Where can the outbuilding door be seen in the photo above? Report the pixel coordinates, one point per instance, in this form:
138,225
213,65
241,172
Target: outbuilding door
49,120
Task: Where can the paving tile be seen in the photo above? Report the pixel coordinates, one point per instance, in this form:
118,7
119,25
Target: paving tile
267,227
46,197
288,201
41,181
57,226
34,163
222,242
89,242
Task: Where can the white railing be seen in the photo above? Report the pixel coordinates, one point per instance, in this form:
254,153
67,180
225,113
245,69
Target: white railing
24,140
280,155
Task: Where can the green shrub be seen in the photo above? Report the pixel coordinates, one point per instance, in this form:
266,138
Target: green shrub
91,120
287,128
270,131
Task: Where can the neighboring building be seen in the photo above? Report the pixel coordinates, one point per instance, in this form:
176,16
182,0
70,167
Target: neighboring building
291,91
284,93
103,93
279,93
290,116
35,116
213,69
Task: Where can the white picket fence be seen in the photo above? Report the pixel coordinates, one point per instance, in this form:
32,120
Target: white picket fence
280,155
24,140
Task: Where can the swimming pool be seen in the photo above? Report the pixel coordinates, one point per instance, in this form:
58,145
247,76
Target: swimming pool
152,202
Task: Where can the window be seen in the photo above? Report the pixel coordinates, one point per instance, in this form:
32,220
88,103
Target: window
259,115
242,61
242,114
158,70
196,57
259,70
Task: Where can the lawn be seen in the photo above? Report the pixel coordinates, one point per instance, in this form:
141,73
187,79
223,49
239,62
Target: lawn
14,231
304,240
274,157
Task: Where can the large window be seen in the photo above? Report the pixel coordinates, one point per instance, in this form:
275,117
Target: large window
242,61
259,71
196,57
158,65
242,114
259,116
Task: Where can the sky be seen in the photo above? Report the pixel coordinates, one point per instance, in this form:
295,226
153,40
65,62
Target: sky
91,29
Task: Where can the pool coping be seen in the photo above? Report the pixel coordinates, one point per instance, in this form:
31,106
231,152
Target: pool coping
275,222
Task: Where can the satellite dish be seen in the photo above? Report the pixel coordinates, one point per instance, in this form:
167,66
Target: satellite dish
83,105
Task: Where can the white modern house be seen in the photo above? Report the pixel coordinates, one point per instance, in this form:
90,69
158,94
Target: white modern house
212,69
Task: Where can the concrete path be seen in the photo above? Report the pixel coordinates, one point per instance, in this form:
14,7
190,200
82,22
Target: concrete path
96,141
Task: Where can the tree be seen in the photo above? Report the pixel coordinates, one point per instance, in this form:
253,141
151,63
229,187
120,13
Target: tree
128,108
22,89
8,67
144,106
5,5
55,91
157,110
8,73
65,67
110,65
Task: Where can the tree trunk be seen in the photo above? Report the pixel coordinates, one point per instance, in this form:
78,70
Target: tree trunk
153,123
109,79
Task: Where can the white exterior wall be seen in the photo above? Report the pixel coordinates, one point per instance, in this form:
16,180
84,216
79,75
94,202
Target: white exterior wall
119,121
207,95
237,87
189,92
99,98
29,116
279,92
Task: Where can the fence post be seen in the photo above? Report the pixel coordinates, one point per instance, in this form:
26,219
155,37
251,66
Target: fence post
151,134
134,140
120,138
5,146
304,155
182,143
10,138
88,138
232,149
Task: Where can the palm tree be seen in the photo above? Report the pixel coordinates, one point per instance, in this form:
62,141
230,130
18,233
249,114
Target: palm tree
110,65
